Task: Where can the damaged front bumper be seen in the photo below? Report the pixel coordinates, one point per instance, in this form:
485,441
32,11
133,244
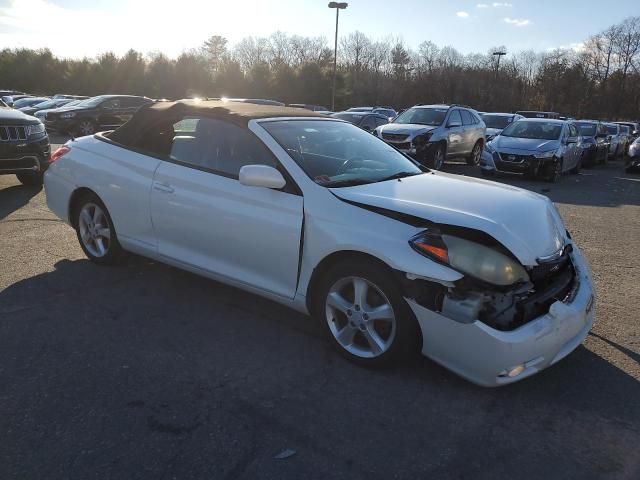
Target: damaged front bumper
490,357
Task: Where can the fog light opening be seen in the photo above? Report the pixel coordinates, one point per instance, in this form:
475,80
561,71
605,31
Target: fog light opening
513,372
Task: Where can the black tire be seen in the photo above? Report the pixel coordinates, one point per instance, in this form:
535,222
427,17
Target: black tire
85,126
553,171
34,179
437,157
476,153
113,251
405,342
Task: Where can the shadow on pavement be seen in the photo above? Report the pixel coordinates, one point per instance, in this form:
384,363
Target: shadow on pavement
15,197
144,370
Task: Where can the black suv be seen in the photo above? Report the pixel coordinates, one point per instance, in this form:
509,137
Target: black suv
433,133
24,146
105,112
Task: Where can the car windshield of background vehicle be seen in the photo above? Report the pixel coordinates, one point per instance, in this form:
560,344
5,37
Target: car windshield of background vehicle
587,129
537,130
422,116
337,154
496,121
354,118
612,130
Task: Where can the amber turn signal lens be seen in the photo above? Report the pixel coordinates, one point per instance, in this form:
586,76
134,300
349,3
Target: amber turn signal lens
435,252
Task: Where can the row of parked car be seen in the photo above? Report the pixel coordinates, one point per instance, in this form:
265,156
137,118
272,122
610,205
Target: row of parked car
532,143
537,144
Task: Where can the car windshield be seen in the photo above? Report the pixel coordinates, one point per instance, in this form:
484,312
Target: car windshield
613,130
422,116
587,129
27,102
51,103
354,118
537,130
496,121
338,154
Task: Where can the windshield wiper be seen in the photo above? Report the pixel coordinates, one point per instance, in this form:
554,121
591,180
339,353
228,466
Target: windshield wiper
400,175
346,183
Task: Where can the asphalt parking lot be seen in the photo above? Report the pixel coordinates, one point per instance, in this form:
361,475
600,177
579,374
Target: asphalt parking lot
147,372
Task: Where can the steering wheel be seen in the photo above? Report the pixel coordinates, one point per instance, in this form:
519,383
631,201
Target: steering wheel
347,163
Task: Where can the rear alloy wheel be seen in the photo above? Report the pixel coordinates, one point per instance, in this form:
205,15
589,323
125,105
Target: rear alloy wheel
474,158
437,157
31,179
95,231
364,314
86,127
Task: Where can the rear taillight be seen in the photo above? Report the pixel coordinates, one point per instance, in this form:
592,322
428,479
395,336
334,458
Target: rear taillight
63,150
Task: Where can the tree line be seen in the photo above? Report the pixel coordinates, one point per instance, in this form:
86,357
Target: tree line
599,78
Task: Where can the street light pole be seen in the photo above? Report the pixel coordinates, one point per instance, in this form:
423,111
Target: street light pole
499,54
338,6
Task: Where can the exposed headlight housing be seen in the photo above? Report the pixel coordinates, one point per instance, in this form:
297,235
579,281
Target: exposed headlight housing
36,130
67,115
471,258
422,139
549,154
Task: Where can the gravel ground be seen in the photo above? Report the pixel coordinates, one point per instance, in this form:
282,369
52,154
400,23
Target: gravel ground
147,372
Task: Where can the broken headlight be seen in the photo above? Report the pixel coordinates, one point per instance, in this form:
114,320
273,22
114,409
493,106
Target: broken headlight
471,258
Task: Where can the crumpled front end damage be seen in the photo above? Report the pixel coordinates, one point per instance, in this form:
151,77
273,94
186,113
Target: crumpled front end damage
494,336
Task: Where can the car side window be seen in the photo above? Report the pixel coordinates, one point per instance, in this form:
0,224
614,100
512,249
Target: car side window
455,118
369,122
217,146
129,102
467,118
111,104
381,121
573,132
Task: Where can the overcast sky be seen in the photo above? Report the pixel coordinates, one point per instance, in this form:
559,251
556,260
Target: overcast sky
76,28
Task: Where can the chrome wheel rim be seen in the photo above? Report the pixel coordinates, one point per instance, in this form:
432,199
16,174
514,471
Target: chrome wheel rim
95,232
438,159
86,128
360,317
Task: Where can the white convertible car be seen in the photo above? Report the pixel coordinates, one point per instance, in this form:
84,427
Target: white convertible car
315,213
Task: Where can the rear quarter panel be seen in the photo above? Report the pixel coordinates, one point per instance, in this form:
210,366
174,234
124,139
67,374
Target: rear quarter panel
121,178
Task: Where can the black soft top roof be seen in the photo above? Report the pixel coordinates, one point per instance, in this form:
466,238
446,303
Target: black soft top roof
234,112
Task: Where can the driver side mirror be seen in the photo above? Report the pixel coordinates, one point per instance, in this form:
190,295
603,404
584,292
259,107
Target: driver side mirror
454,123
261,176
571,140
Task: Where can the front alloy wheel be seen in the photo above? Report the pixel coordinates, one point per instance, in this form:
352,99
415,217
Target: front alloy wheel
474,159
86,127
363,311
360,317
437,159
553,171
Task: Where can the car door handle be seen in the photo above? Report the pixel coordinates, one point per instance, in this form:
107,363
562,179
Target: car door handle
163,187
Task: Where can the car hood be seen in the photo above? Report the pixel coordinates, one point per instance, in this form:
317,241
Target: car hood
524,222
406,129
529,144
15,117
